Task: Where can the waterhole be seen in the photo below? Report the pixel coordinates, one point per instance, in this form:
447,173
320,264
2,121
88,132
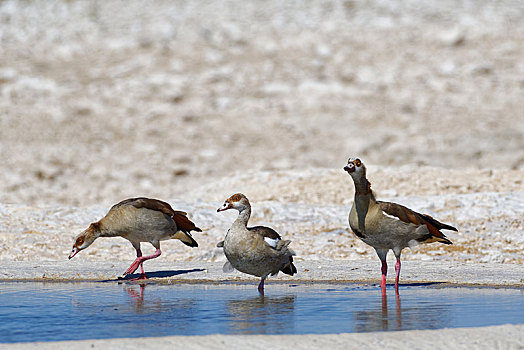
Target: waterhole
34,311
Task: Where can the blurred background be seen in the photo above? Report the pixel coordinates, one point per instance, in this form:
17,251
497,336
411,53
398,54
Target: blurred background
102,100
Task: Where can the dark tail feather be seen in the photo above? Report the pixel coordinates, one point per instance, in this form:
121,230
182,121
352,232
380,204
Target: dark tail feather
439,225
445,241
432,238
434,228
289,269
185,238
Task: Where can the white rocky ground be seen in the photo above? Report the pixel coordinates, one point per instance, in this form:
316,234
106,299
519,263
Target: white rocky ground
100,101
190,102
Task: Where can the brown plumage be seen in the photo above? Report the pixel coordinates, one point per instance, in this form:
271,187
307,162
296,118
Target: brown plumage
409,216
140,220
385,225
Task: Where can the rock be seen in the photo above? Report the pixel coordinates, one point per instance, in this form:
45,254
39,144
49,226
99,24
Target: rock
453,37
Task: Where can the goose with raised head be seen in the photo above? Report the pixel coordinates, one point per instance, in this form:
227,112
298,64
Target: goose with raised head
385,225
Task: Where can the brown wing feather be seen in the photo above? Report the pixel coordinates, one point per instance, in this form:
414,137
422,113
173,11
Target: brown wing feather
265,232
409,216
404,214
149,203
183,223
180,217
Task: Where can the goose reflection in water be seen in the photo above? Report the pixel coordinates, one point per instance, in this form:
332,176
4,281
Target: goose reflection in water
383,317
136,296
262,315
152,303
378,317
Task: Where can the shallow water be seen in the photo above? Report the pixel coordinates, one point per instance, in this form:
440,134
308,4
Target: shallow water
71,311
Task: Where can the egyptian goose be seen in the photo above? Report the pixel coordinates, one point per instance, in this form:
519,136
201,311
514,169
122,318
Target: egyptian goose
385,225
258,250
139,220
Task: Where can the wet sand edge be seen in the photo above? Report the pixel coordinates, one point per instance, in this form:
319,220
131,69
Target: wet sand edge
505,336
316,271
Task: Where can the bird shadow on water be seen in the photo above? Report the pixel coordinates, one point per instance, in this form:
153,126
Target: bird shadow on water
420,284
153,274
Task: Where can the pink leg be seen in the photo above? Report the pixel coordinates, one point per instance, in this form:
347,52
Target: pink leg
135,263
382,254
397,270
384,274
142,273
139,261
142,276
261,286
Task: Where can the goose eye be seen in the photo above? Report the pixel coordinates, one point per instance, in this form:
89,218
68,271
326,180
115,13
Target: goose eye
358,163
80,241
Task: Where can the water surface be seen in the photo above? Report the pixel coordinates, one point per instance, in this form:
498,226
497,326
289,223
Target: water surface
31,311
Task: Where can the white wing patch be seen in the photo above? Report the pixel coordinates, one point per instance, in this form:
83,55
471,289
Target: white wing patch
390,216
271,242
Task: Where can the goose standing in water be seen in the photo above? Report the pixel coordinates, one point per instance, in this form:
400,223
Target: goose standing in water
258,250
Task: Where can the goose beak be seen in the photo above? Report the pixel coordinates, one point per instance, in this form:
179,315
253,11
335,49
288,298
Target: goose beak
73,252
349,169
224,206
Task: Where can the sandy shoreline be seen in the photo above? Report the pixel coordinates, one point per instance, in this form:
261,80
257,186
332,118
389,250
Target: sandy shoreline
311,271
497,337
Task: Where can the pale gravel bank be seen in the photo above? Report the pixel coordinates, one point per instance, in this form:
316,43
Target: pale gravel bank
309,207
504,337
311,271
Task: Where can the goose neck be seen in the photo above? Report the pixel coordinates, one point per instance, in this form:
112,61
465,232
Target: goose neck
243,216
